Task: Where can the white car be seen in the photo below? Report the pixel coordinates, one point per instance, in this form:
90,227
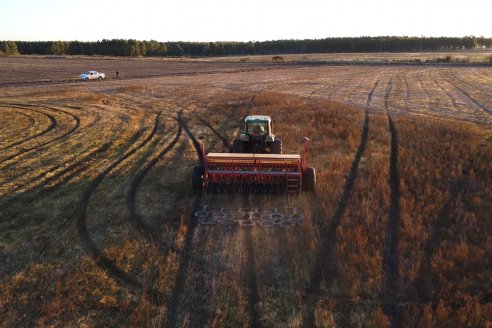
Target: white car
92,75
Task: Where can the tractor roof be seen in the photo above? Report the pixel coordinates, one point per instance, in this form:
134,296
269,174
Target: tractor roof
257,118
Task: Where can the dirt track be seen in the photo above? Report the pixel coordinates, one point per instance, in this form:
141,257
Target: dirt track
94,189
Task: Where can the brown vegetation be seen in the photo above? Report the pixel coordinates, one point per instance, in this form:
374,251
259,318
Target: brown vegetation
96,211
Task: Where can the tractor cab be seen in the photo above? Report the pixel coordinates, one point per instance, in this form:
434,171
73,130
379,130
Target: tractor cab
257,137
257,126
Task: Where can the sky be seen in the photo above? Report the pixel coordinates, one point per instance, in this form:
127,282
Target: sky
239,20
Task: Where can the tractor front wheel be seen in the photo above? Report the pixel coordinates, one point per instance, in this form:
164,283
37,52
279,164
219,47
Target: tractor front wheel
237,146
309,179
276,147
197,178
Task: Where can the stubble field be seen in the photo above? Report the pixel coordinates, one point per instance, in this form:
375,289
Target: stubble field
96,208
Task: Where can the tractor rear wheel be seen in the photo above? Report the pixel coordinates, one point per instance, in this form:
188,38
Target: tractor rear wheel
237,146
309,179
197,178
276,147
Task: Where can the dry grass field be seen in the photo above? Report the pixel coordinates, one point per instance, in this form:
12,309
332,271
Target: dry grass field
96,208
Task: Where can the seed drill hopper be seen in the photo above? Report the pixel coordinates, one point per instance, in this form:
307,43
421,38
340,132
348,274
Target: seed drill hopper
253,173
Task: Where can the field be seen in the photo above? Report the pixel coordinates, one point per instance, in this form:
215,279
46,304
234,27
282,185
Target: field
97,224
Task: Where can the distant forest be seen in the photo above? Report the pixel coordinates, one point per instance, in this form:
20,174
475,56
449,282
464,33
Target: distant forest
119,47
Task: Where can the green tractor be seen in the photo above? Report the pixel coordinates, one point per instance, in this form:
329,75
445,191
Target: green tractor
257,137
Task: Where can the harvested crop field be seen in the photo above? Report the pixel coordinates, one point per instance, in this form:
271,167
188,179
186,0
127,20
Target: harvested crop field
97,216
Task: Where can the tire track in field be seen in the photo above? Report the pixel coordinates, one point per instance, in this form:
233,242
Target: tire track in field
75,167
72,170
81,214
68,172
172,318
424,282
430,101
391,257
407,87
201,314
51,126
464,92
318,91
253,295
229,117
446,92
334,91
135,184
75,118
325,256
132,191
62,165
139,104
65,166
477,85
433,102
224,140
25,130
52,177
349,100
485,72
338,87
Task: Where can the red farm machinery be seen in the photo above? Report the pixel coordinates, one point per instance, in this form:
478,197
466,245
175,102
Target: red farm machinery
254,172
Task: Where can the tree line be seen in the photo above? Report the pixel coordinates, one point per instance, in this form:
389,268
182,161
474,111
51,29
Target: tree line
135,48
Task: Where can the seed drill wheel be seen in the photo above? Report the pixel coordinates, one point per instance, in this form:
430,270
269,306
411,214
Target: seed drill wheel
197,178
309,179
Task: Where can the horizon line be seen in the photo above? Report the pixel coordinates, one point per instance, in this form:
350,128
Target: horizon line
255,41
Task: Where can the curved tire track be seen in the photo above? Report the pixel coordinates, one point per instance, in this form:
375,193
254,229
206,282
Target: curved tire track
132,193
51,126
81,215
72,170
37,147
66,169
67,133
75,168
133,188
25,130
